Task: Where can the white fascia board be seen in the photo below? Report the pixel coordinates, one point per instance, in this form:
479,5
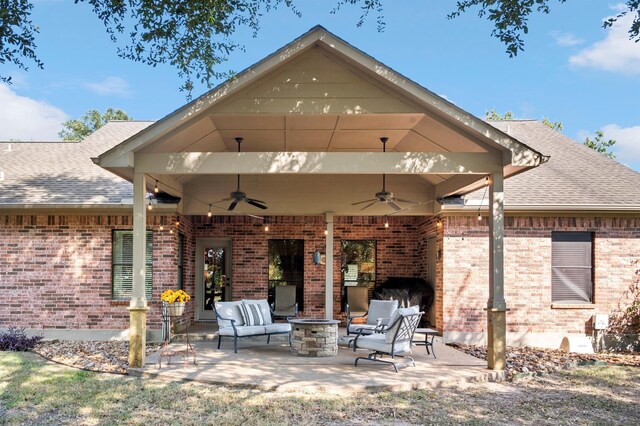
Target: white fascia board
221,163
165,208
551,208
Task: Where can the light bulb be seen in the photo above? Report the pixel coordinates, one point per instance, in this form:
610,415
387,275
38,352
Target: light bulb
177,223
479,216
171,231
155,189
326,232
266,228
386,222
209,213
161,227
150,206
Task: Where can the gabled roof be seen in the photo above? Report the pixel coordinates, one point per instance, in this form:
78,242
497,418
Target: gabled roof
62,173
575,177
318,37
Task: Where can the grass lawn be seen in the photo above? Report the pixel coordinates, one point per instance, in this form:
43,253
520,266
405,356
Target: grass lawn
33,391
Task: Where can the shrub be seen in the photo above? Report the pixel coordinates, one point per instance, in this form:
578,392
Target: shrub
15,339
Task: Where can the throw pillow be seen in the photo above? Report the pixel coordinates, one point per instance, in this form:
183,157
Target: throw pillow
252,314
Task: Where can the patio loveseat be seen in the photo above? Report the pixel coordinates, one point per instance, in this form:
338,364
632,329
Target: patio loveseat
247,318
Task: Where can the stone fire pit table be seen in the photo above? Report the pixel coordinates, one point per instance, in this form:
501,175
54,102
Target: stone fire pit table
314,337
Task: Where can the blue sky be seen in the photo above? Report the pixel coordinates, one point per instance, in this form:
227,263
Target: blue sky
571,71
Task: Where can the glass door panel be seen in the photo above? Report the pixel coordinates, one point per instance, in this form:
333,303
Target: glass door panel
214,283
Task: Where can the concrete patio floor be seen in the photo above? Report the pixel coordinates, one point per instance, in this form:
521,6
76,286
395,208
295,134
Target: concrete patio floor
273,367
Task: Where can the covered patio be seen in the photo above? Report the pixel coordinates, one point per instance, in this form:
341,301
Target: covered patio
273,367
311,117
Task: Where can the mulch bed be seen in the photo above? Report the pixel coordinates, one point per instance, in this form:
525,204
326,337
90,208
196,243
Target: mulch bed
105,357
525,361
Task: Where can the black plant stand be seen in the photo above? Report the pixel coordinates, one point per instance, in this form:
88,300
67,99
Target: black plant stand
166,350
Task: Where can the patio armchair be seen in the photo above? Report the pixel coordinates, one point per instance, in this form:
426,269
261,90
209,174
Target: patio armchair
285,304
394,342
377,315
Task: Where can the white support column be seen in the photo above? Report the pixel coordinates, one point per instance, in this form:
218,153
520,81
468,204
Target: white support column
138,303
496,305
138,298
328,280
496,242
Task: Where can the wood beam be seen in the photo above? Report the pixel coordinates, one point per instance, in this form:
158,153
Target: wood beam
221,163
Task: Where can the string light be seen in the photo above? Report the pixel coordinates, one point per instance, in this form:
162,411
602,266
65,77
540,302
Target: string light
326,232
266,224
438,223
209,212
155,189
386,222
150,205
177,222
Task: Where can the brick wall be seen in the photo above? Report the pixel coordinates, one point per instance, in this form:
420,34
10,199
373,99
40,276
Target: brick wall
396,250
55,270
527,264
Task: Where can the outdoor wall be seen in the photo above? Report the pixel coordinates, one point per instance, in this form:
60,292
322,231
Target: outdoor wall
55,271
397,253
527,268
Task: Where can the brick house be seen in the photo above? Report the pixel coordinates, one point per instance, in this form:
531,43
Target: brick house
73,215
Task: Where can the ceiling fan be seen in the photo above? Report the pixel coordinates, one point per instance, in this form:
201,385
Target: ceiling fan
384,196
238,196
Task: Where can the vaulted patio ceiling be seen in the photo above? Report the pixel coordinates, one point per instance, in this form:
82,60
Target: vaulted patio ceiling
311,116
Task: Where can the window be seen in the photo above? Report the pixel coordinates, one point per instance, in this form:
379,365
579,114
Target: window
571,267
358,265
122,265
286,267
181,261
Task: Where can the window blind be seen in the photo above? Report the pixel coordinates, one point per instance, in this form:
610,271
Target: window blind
122,265
571,267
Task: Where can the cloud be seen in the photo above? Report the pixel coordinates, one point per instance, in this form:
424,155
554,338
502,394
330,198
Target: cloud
24,118
566,39
110,86
615,53
627,139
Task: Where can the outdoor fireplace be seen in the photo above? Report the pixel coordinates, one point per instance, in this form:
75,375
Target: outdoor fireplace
407,291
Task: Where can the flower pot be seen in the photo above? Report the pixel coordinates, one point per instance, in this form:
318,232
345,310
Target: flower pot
176,309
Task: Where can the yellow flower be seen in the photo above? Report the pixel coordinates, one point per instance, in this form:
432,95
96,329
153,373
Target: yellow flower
171,296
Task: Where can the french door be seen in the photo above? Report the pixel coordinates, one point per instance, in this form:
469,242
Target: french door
213,275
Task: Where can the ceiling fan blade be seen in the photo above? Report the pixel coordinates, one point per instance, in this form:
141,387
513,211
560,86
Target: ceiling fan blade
257,201
394,206
233,205
402,200
368,205
256,204
365,201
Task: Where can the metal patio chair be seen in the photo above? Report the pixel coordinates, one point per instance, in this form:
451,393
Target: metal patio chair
394,343
285,304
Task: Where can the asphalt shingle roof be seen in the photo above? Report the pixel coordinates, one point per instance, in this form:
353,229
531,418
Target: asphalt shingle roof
575,175
62,172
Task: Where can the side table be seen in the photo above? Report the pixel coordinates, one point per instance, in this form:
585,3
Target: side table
165,350
429,336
